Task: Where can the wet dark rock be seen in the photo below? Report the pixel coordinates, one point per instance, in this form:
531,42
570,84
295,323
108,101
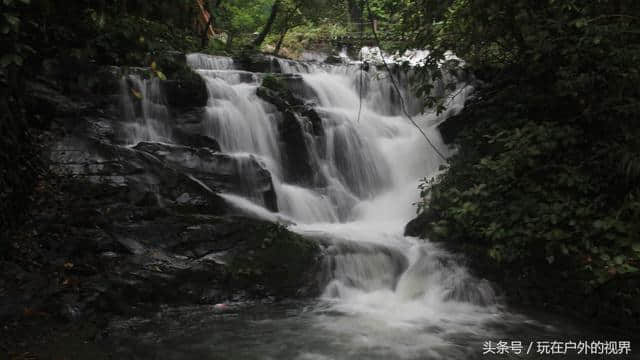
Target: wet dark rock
298,162
455,124
103,80
314,118
188,122
276,262
195,140
180,86
243,175
117,229
416,227
259,63
333,59
275,91
298,124
50,100
451,127
185,92
130,227
171,63
272,97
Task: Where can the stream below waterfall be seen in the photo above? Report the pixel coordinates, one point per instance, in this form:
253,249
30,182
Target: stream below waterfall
386,296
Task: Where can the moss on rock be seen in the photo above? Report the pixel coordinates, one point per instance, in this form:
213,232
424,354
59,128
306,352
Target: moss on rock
277,262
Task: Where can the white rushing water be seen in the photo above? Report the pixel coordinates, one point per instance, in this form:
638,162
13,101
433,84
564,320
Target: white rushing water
398,296
153,122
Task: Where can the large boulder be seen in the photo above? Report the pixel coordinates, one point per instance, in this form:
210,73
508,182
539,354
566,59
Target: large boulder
452,127
418,225
117,228
212,259
130,176
181,87
259,63
187,91
299,165
195,140
276,262
299,125
240,174
334,60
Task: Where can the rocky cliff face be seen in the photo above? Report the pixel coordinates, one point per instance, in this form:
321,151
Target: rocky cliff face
129,212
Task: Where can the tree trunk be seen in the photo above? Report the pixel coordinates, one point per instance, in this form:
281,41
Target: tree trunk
229,42
355,13
280,40
284,30
267,27
204,37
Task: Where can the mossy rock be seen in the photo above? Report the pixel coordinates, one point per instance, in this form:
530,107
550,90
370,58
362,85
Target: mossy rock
274,83
259,63
277,262
276,90
170,62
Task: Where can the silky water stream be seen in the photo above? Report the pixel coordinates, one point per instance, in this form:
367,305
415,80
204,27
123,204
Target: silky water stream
387,296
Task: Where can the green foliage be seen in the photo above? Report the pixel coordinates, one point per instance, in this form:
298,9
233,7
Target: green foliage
241,19
130,40
509,192
104,32
306,24
547,176
306,36
279,261
14,51
273,83
561,44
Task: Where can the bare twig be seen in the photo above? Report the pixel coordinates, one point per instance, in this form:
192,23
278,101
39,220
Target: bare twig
395,86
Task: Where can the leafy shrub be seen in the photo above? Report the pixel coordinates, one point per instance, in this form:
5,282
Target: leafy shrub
546,180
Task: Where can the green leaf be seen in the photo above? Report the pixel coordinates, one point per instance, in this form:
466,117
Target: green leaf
636,247
13,20
161,75
579,23
136,93
9,59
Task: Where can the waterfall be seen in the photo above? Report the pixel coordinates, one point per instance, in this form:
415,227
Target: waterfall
147,120
369,170
349,181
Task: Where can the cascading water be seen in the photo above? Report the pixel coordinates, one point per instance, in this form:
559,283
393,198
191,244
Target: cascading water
370,164
346,177
150,121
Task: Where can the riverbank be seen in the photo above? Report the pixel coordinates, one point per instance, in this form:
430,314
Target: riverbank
536,208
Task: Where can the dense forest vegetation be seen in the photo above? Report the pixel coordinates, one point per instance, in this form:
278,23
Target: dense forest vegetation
545,186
